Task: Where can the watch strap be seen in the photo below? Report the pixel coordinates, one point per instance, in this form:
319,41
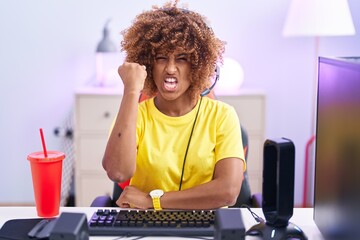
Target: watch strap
156,203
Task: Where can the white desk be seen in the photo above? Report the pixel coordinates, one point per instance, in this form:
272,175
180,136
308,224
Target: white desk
302,217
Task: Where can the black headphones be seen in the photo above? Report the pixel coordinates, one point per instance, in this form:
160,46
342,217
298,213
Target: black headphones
207,90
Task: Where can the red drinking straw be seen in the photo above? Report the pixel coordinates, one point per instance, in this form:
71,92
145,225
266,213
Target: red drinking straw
43,142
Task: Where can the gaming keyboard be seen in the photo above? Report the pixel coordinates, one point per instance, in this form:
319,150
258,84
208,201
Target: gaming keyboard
115,222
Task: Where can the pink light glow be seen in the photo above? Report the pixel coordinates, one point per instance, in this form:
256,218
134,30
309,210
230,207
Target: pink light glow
106,69
231,78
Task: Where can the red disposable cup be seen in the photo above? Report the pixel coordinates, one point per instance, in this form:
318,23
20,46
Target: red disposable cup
46,176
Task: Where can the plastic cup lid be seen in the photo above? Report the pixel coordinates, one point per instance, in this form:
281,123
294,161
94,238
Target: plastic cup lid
52,156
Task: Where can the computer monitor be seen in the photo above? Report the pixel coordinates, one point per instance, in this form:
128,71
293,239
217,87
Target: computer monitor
337,160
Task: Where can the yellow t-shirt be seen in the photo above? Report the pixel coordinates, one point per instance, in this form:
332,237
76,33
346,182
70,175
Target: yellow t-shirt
162,141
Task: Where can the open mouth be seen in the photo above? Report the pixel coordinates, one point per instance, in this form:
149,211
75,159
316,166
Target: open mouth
170,84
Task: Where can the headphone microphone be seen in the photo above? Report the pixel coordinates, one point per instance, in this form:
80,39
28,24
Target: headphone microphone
207,90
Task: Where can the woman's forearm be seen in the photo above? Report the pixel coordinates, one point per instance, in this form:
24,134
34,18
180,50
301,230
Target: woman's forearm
222,191
119,159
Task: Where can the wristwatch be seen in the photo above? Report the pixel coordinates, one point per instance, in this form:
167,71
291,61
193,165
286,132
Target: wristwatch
156,195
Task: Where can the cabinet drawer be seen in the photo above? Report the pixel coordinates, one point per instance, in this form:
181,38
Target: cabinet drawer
96,113
250,110
90,152
92,186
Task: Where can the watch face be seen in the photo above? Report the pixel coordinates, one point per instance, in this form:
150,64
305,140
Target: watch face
156,193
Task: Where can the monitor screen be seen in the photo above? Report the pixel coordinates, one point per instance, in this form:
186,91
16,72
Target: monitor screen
337,160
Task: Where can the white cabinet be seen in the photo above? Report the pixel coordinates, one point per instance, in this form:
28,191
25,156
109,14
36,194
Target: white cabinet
250,107
95,109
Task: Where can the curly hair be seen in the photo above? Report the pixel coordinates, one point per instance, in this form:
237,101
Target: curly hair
167,28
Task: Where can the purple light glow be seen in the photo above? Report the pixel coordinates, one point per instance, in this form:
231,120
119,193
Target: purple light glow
231,78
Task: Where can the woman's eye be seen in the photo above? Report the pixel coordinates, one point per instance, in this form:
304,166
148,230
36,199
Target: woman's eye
160,58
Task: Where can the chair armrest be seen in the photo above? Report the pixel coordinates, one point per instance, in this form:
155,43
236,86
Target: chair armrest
257,200
102,201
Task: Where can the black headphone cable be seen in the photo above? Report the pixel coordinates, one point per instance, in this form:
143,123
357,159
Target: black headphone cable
188,144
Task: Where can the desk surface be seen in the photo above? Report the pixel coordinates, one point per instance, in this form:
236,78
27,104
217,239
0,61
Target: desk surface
302,217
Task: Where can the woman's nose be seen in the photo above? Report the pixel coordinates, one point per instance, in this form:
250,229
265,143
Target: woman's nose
171,67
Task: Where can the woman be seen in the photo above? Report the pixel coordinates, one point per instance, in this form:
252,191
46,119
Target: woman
181,150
